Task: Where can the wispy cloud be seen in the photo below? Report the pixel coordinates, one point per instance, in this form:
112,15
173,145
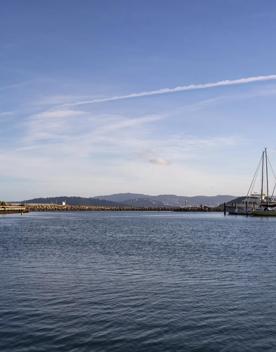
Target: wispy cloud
190,87
15,85
6,114
159,161
77,152
50,125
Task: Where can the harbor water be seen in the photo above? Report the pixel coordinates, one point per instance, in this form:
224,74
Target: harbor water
137,281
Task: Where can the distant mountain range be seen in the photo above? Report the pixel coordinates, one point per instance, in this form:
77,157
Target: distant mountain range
166,199
136,200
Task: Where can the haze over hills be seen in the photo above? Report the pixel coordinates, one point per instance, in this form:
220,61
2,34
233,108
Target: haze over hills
136,200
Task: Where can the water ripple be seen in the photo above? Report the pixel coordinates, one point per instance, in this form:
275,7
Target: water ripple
137,282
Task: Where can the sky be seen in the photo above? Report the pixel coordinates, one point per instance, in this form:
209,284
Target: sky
148,96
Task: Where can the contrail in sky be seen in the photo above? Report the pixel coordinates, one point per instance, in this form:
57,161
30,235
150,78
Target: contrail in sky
185,88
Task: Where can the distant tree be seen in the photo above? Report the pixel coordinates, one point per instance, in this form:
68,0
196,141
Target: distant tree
2,203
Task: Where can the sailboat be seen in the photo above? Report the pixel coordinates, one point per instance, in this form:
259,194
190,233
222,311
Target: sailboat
262,203
267,206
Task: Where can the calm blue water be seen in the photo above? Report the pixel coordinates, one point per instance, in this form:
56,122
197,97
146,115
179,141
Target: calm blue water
101,281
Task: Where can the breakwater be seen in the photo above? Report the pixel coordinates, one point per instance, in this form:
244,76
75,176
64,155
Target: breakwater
13,209
65,208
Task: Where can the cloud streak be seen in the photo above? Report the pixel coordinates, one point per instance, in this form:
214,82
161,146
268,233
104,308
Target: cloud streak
190,87
159,161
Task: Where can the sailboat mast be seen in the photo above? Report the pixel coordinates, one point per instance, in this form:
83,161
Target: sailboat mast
267,186
262,180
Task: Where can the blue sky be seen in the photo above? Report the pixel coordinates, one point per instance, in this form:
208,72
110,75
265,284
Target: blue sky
62,61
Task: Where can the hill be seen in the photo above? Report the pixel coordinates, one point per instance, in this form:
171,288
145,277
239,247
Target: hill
136,200
72,201
167,199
